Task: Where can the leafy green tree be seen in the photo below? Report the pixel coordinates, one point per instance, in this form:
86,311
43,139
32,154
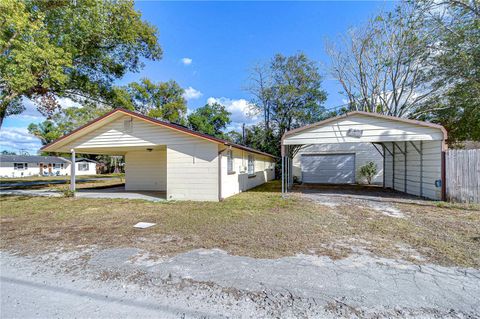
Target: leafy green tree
5,152
234,137
65,121
455,66
210,119
163,100
288,93
74,49
46,131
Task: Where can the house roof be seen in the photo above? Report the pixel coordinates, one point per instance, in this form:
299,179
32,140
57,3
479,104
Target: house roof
32,159
83,159
156,122
377,115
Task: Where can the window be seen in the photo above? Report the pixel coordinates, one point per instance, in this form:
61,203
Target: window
230,162
83,166
58,166
20,166
251,165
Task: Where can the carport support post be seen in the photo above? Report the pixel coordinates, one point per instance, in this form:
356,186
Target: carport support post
72,171
283,174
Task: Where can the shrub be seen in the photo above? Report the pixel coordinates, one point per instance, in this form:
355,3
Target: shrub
68,193
368,171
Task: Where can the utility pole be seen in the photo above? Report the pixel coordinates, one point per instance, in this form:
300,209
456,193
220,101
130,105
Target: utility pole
243,133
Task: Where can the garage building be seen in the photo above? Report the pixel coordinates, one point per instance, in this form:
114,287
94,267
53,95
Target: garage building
411,153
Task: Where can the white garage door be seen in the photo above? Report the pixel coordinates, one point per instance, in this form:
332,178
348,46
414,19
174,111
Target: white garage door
328,168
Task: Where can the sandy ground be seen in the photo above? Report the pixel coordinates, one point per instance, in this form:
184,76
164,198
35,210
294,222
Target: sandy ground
127,282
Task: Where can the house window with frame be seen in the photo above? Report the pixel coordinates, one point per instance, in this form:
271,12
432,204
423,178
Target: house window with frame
251,165
57,166
20,166
230,162
83,166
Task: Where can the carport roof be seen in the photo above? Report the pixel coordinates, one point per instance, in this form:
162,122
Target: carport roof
357,127
377,115
173,126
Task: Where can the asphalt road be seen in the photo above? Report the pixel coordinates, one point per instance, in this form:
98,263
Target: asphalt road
28,294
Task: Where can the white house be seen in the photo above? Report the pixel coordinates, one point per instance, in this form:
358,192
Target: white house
413,152
162,156
26,165
85,166
34,165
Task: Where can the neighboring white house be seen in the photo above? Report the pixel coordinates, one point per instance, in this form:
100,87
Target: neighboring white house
336,163
35,165
85,166
27,165
413,152
162,156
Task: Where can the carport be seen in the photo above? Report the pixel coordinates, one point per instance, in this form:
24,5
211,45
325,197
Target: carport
413,152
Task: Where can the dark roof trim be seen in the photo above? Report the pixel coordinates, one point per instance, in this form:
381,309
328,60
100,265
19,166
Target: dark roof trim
157,122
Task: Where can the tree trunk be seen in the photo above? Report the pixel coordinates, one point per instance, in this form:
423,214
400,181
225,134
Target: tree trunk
3,113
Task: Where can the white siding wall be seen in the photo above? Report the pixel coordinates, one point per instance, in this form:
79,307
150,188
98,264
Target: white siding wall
192,171
429,168
239,181
142,133
92,169
374,130
146,170
364,153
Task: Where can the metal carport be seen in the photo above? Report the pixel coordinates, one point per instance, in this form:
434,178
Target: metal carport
413,151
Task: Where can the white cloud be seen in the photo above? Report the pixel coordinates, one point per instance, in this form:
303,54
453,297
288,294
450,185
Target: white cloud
242,111
187,61
66,103
16,139
191,93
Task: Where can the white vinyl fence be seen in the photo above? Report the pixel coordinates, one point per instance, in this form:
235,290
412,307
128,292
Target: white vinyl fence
463,175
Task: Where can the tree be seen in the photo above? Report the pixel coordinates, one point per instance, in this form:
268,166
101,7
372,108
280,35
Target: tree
163,100
46,131
66,120
234,137
288,92
455,26
210,119
5,152
73,49
381,66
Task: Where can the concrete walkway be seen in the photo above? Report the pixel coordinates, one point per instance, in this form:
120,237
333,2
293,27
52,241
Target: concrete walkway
12,185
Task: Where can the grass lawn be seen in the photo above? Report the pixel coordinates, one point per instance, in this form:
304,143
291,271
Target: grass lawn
257,223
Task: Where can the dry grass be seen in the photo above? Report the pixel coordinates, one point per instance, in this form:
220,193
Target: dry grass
257,223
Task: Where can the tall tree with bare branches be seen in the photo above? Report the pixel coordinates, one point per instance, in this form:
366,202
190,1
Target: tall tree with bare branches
381,66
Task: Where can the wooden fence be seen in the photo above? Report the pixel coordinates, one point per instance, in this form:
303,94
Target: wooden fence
463,175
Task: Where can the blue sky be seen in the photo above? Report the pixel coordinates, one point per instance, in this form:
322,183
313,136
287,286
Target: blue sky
209,48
